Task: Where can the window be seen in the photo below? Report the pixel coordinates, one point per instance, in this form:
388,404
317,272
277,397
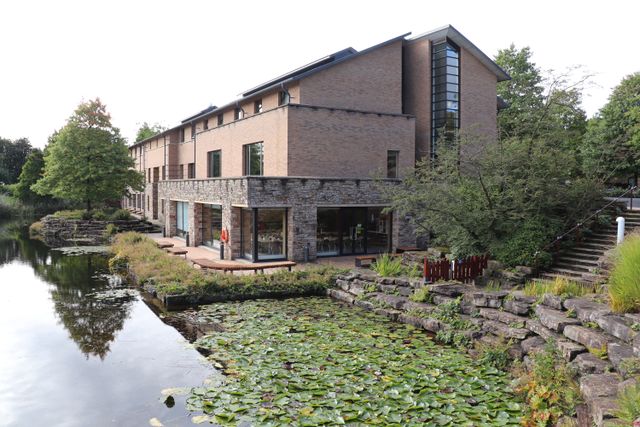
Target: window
263,233
445,93
220,119
257,106
392,163
283,97
205,124
213,163
180,171
253,159
238,114
164,172
193,131
181,134
211,225
149,175
182,219
191,170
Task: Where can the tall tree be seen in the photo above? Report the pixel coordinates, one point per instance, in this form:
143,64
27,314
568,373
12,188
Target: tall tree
612,142
13,154
541,105
147,131
30,174
88,160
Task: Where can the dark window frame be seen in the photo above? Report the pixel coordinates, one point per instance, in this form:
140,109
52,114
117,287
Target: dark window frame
191,170
220,119
211,172
257,106
395,154
284,98
246,159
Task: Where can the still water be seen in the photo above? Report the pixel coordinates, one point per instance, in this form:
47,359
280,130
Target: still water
77,348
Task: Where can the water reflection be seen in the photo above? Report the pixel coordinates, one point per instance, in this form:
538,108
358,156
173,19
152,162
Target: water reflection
77,349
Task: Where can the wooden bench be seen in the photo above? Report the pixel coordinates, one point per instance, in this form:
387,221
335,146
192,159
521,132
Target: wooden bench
177,251
224,266
164,245
367,260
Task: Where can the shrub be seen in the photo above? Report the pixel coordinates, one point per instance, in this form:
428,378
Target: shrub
629,403
549,389
523,247
421,295
69,214
35,229
559,286
388,266
624,282
495,354
99,215
110,230
120,215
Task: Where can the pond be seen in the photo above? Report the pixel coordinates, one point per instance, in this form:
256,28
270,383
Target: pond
78,348
314,361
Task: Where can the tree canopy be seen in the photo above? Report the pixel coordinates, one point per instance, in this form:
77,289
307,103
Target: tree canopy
612,142
147,131
30,174
87,160
13,154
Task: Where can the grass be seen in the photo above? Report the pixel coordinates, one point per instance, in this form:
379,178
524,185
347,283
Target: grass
107,214
139,255
624,282
388,266
560,286
629,403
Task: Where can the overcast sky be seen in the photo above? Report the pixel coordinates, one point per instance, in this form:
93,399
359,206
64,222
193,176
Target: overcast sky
161,61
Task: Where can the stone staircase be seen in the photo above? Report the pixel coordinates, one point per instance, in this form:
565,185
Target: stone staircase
584,262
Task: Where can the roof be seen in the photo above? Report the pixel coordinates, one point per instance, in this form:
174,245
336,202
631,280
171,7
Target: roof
338,58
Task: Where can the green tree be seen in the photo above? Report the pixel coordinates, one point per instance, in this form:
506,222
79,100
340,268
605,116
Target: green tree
540,106
147,131
30,174
509,199
88,160
13,154
612,141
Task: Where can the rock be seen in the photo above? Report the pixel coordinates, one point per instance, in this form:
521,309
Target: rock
502,316
341,295
516,307
418,306
402,282
636,345
502,330
392,300
439,299
533,344
553,301
390,314
357,287
515,351
602,410
431,325
488,299
554,319
367,305
452,290
343,284
388,289
569,350
522,269
617,354
587,363
594,386
585,336
410,320
586,309
386,281
617,326
405,291
631,382
536,327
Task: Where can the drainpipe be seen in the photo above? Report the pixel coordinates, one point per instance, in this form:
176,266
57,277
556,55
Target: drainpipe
620,221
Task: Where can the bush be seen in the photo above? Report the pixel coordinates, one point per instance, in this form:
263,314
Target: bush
495,354
69,214
99,215
549,389
388,266
120,215
523,247
110,230
35,229
629,403
624,282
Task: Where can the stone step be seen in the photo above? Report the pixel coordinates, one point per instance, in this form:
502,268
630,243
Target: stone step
587,363
554,319
566,272
559,264
588,337
586,310
576,260
595,386
595,245
587,256
618,326
618,354
502,330
538,328
508,319
588,251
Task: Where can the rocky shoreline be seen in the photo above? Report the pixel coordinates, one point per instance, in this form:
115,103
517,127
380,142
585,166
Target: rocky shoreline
603,347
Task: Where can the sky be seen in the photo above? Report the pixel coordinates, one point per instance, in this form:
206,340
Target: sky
162,61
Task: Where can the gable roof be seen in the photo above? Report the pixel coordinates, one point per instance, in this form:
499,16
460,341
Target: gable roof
449,32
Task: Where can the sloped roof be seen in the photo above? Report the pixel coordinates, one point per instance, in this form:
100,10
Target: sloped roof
449,32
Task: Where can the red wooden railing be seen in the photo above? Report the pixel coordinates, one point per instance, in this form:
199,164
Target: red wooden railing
464,270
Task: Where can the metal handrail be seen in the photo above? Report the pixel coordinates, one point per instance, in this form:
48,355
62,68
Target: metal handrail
594,214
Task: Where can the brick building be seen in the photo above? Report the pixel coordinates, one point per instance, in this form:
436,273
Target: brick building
294,166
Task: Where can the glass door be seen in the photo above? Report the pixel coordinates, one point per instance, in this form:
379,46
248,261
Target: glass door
353,230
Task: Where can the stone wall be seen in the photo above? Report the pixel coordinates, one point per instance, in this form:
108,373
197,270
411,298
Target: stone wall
61,232
300,196
583,329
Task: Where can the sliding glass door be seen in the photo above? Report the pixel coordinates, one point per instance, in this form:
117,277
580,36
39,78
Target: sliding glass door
182,219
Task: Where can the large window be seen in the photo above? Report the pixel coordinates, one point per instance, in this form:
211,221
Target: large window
213,163
392,163
445,93
253,159
264,233
238,114
182,219
191,170
283,97
328,232
211,225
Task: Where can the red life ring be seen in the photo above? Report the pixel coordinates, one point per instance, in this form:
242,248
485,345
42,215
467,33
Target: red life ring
224,236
